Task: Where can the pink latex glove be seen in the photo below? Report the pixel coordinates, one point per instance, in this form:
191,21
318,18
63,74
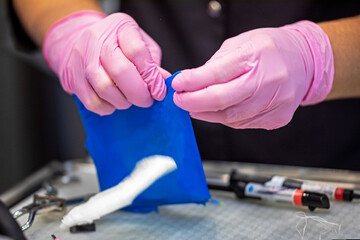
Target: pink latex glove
259,78
108,62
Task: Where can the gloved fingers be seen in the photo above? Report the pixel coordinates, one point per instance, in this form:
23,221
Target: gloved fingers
213,117
259,103
95,74
79,85
125,75
154,48
91,100
164,73
250,112
135,49
105,88
274,119
217,97
246,109
221,117
225,117
219,70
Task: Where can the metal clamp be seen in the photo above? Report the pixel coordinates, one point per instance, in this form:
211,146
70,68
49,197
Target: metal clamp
40,204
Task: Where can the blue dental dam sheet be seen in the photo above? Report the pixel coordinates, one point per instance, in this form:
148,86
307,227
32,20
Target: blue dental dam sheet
118,141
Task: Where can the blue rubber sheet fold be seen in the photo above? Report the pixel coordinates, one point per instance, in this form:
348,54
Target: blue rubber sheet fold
118,141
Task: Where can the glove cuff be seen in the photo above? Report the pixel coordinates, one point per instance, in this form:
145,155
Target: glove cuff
60,37
323,59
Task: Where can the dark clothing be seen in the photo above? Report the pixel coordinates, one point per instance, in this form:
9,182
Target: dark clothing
325,135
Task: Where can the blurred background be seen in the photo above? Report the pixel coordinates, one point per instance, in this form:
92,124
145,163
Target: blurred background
38,120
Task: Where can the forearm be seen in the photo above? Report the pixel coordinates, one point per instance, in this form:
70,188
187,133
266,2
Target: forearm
344,36
37,16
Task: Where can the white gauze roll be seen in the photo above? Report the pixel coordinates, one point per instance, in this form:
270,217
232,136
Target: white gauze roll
145,173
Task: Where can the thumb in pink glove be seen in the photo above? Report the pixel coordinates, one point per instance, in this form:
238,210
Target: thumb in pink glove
107,62
259,78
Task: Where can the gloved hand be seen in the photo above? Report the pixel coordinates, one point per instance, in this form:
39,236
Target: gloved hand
259,78
108,62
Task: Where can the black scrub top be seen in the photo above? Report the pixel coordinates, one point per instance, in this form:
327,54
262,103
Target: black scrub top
189,33
323,135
